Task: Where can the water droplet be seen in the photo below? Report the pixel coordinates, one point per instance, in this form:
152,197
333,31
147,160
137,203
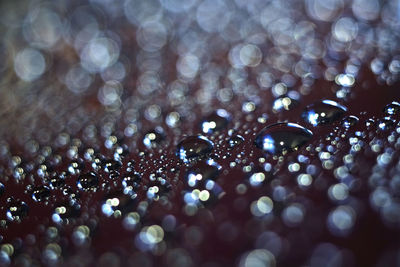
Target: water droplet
202,171
194,147
287,102
16,210
131,183
280,138
386,124
215,121
87,181
235,140
63,211
2,189
324,112
40,193
117,203
154,137
57,180
350,121
392,108
112,165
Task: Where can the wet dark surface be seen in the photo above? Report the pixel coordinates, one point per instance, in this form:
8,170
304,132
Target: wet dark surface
142,141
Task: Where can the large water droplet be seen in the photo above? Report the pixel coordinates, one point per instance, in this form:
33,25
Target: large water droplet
16,210
324,112
40,193
87,181
392,108
202,171
280,138
194,147
215,121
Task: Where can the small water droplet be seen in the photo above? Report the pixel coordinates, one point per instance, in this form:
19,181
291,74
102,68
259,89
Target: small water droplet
2,189
194,147
324,112
392,108
349,121
202,171
57,180
16,210
117,203
385,124
286,102
154,137
66,210
131,183
235,140
87,181
40,193
112,165
280,138
215,121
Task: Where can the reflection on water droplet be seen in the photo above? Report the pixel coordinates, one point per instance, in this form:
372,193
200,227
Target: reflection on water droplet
385,124
286,102
2,189
349,121
281,138
392,108
117,203
66,210
324,112
215,121
235,140
16,210
131,183
194,147
202,171
40,193
154,137
87,181
112,165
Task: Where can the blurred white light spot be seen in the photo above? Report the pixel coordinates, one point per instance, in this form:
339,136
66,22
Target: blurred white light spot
29,64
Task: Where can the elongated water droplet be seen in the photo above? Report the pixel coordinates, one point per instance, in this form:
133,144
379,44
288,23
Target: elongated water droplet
324,112
215,121
194,147
281,138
